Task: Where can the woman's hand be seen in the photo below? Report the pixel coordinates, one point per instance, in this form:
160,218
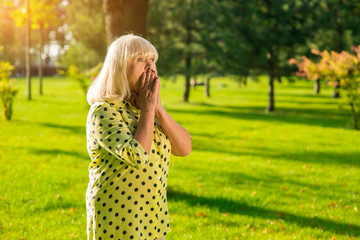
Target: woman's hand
159,106
147,101
149,91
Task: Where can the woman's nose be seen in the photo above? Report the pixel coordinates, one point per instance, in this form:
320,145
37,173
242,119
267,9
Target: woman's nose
147,66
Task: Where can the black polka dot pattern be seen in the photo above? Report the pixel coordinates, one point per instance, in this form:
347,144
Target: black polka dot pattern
126,195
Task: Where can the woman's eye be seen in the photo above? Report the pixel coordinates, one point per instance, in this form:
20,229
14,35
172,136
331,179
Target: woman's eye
140,59
152,59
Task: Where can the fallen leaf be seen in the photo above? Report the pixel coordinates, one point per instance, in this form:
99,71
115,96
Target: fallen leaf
201,214
281,214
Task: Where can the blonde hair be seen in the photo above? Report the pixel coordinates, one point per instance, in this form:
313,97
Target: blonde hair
112,83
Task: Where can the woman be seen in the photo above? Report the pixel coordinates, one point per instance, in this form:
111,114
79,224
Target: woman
130,137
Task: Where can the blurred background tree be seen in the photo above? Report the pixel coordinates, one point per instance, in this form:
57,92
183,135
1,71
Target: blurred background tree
198,39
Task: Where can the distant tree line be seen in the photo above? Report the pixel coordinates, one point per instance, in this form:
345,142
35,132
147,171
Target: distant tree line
198,37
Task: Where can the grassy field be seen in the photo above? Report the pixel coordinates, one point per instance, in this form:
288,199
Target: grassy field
291,174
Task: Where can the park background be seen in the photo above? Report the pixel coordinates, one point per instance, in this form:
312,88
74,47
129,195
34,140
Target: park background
275,144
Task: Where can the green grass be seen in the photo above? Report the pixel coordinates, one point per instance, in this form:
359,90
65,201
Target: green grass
290,174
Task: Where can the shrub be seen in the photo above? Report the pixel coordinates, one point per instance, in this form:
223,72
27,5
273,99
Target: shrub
82,78
7,90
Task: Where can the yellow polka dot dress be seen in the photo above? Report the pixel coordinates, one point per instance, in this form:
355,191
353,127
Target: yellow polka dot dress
126,195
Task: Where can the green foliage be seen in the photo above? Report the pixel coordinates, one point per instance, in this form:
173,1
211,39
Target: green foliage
43,13
85,21
83,79
166,32
79,55
7,89
338,69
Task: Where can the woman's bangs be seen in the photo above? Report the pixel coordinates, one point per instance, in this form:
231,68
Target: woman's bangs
143,48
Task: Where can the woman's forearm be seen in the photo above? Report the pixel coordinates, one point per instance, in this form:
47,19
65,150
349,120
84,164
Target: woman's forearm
180,138
145,128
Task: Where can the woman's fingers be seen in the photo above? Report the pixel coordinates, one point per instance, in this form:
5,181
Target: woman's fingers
148,74
148,94
157,84
142,80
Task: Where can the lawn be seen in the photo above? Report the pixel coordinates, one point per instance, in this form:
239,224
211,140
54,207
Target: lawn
290,174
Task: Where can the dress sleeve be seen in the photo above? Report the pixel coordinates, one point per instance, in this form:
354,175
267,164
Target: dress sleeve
112,134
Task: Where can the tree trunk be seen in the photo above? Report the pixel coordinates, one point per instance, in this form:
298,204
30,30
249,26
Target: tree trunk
188,55
354,113
279,79
28,62
125,16
187,79
207,86
317,87
271,65
40,72
339,27
337,89
271,106
245,80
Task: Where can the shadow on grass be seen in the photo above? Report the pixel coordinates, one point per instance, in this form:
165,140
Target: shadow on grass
230,206
307,95
55,152
317,157
221,146
306,116
74,129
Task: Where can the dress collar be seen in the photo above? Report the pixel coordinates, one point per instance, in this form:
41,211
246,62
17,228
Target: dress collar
123,103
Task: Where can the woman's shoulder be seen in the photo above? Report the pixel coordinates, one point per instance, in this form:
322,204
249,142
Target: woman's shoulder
108,107
105,103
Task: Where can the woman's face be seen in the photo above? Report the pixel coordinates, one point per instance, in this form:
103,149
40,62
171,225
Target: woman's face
136,67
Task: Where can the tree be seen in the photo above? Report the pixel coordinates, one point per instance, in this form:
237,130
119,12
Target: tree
7,90
87,46
279,28
122,17
173,27
8,34
28,41
226,51
45,13
342,69
340,25
40,14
